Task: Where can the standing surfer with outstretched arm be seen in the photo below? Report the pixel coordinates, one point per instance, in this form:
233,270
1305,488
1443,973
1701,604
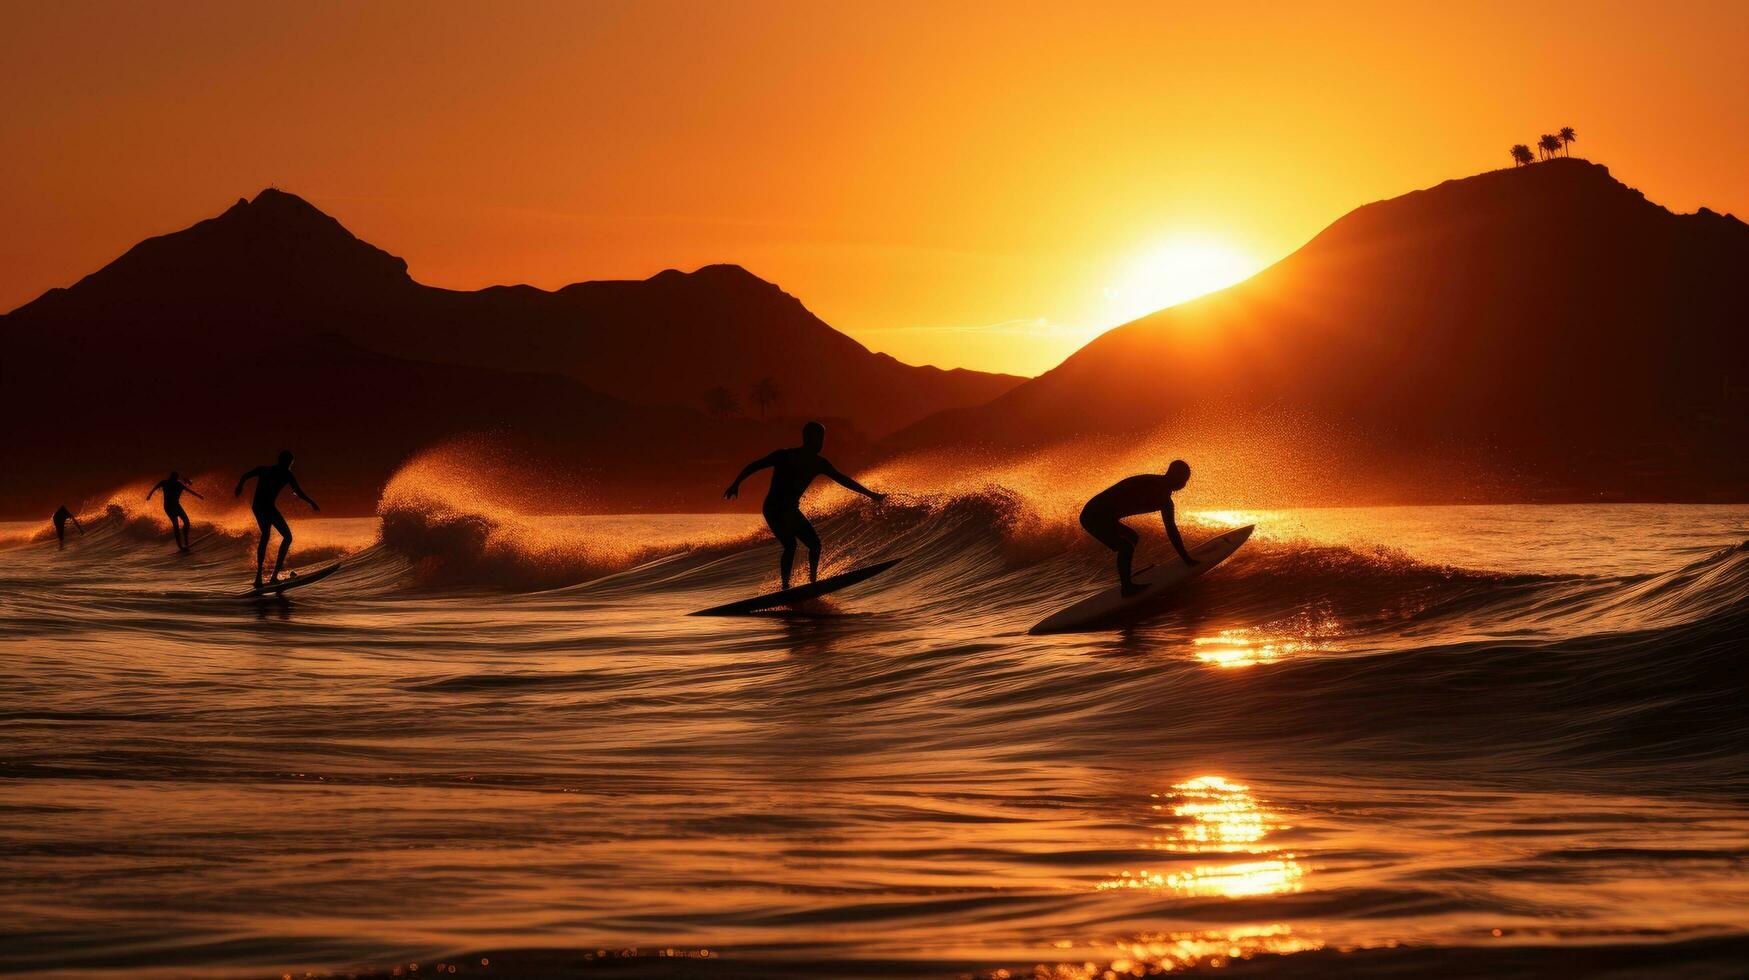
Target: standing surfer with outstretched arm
791,471
174,486
1132,495
269,481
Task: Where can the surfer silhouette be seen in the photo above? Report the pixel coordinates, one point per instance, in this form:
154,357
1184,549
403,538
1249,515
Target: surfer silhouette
1132,495
791,471
62,516
269,481
174,486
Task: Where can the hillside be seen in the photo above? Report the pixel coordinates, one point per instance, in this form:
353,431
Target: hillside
1541,333
277,264
272,324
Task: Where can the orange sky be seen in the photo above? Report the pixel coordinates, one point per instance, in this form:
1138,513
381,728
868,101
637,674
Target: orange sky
961,184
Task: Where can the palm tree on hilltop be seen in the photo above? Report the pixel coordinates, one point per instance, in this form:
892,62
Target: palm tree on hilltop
765,392
1550,144
1567,137
1520,154
721,402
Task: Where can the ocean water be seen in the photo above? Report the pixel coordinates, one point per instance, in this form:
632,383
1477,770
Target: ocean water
1470,740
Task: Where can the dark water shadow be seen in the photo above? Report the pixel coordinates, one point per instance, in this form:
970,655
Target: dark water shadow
275,607
1167,629
816,636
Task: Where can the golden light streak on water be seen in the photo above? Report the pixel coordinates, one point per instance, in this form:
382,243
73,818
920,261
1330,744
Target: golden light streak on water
1252,646
1238,518
1243,648
1217,815
1151,954
1220,814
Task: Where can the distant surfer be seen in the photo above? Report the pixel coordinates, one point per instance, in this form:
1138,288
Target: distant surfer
174,486
1132,495
791,472
269,481
62,516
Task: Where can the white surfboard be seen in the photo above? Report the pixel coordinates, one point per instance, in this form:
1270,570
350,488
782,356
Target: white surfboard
1111,607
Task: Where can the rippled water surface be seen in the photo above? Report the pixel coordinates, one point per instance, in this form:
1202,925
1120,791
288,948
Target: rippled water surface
1451,731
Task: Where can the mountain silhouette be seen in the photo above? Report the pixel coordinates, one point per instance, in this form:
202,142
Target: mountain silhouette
276,268
354,417
275,247
1539,333
271,324
672,337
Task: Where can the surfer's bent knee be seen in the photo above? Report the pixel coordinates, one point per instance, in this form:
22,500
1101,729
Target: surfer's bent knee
1108,532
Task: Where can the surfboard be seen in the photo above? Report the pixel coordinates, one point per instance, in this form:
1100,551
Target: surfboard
290,582
1111,607
800,593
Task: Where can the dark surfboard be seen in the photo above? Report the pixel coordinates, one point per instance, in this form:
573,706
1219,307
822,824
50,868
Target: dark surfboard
800,593
290,582
1111,607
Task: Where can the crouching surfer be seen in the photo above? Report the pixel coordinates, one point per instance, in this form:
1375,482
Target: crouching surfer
1141,494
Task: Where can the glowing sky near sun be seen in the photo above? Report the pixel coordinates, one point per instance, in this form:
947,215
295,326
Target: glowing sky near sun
954,183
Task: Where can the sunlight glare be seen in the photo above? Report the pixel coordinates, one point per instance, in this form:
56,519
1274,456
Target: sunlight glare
1174,271
1153,954
1217,816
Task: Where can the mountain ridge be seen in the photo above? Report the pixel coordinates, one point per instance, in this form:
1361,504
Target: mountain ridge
209,345
1493,315
281,261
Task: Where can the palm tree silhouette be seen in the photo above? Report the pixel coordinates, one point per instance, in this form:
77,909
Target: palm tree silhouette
1520,154
1567,137
1550,144
765,392
721,402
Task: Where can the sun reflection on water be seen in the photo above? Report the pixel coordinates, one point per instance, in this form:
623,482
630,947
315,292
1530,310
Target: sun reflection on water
1249,647
1239,518
1243,648
1240,880
1150,954
1216,815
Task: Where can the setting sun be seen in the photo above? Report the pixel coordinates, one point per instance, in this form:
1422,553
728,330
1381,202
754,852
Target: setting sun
1172,272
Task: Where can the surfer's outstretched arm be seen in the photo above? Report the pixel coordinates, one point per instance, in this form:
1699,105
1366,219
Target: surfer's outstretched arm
154,490
192,490
245,478
78,525
770,459
1171,521
849,484
292,481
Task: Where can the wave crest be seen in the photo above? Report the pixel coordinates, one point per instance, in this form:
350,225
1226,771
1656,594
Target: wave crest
443,511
